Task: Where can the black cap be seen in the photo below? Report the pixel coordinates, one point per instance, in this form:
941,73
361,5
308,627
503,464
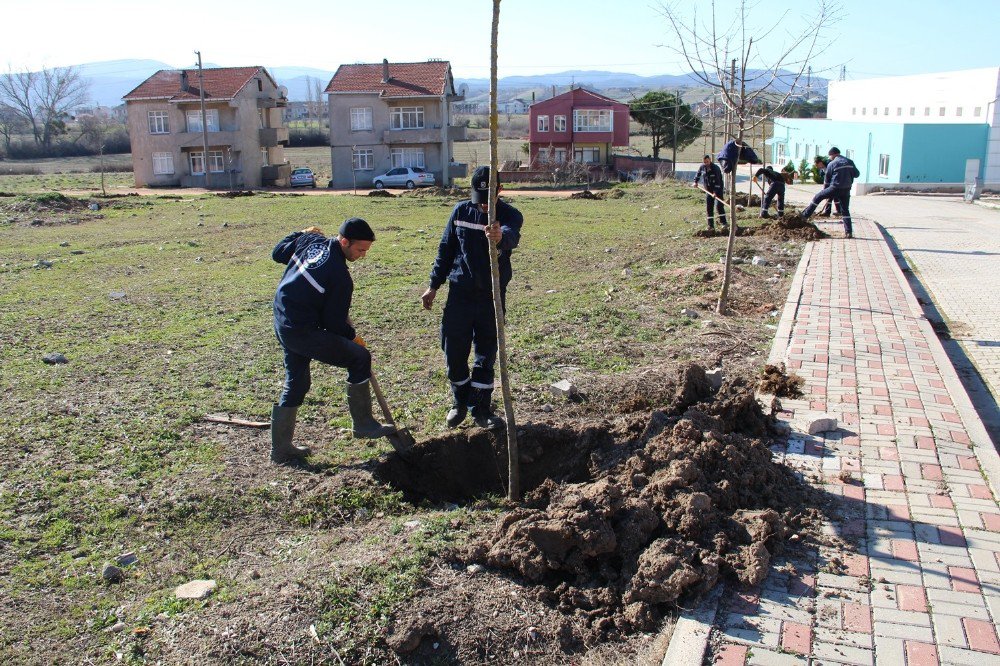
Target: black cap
834,151
356,229
481,185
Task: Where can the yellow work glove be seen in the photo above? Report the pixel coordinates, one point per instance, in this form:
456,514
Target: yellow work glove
313,230
360,340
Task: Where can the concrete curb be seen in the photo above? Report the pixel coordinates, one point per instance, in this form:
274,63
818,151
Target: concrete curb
690,637
982,445
783,336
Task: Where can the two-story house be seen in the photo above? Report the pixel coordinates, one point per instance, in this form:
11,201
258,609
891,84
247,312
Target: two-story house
388,115
579,125
246,137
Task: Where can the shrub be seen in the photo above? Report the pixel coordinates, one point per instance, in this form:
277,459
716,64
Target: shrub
112,168
6,170
301,137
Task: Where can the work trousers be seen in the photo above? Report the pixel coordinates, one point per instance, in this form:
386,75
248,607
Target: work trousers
468,324
710,203
304,345
839,195
775,190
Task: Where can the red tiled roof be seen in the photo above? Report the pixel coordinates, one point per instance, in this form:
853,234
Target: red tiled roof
406,79
220,83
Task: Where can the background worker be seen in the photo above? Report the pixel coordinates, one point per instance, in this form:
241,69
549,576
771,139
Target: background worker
776,188
820,164
468,321
711,175
840,175
311,322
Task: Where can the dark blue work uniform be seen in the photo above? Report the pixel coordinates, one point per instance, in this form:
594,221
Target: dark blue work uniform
463,261
776,188
711,174
840,175
311,313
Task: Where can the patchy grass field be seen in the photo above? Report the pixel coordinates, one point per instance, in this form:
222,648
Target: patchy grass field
163,307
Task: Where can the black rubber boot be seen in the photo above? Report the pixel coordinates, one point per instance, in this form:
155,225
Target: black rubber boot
359,402
481,401
282,429
459,404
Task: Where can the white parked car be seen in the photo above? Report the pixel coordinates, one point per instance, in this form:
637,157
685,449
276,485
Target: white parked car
408,177
303,177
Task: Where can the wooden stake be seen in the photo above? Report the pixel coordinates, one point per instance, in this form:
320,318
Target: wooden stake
513,468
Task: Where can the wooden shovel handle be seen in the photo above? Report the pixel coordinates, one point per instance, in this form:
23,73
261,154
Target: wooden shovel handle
377,390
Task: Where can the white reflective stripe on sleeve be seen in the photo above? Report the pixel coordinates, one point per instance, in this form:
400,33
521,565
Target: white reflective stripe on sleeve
462,383
302,270
481,386
469,225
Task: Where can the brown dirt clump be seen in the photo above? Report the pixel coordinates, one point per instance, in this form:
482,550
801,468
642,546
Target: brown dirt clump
233,194
790,226
749,201
775,380
585,194
653,518
381,193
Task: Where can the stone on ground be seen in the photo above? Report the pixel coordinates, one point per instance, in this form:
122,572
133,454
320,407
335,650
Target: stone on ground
195,589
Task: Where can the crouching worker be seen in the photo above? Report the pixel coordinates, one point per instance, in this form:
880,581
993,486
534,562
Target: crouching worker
311,321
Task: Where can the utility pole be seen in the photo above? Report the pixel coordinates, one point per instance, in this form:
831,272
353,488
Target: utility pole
204,120
677,110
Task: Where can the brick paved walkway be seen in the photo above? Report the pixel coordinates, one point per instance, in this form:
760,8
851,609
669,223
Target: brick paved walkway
911,573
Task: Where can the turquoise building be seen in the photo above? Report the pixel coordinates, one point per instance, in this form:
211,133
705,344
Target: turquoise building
889,155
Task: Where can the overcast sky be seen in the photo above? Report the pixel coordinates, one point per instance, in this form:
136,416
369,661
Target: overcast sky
874,37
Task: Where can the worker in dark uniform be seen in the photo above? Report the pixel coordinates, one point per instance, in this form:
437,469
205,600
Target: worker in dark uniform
820,164
711,175
840,175
312,323
468,321
776,188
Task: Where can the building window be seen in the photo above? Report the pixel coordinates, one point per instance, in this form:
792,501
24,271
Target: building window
361,118
543,123
197,163
159,123
850,154
899,110
874,110
560,152
958,112
977,111
587,155
883,165
913,110
407,157
559,123
215,162
592,120
886,112
264,159
941,111
798,148
854,111
864,110
363,159
163,164
927,110
543,155
406,117
194,120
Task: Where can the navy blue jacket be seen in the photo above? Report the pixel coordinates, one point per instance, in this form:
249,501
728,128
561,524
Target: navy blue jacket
712,176
840,173
463,257
731,155
772,177
316,289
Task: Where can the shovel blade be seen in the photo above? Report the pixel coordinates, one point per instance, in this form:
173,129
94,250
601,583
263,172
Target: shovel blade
401,440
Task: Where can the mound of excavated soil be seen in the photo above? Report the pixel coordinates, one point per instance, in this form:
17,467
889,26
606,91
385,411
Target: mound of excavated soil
381,193
43,203
233,194
600,195
619,523
789,226
748,201
775,380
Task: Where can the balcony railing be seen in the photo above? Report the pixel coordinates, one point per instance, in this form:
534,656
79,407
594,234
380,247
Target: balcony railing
272,136
457,133
426,135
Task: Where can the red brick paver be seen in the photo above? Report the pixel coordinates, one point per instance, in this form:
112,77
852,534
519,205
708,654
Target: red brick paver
914,577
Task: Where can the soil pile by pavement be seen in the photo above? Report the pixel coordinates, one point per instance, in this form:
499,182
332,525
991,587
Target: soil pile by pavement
790,226
620,524
381,193
775,380
749,201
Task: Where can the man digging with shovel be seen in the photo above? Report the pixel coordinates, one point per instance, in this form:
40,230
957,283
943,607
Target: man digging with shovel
311,321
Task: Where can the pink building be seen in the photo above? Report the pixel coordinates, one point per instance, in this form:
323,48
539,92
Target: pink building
579,126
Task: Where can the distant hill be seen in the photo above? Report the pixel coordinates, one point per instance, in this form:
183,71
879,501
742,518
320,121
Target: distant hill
110,80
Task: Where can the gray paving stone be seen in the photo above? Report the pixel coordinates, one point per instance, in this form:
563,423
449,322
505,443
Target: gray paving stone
843,654
902,631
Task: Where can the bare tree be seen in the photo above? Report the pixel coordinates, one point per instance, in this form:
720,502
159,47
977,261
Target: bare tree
43,99
729,59
11,124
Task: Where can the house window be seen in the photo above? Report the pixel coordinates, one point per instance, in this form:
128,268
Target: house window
913,110
163,164
158,122
194,120
886,111
543,155
215,162
197,163
543,123
958,112
264,160
854,111
874,111
864,110
363,159
407,157
559,122
587,155
361,118
883,165
406,117
850,154
560,152
927,110
978,110
899,110
592,120
941,111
